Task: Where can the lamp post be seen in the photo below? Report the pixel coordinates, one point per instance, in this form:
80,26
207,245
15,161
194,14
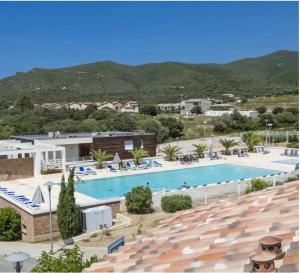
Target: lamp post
17,258
49,185
204,125
269,134
212,145
266,121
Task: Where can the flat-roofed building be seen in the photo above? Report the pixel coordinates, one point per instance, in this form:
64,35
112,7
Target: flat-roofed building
216,113
187,106
78,146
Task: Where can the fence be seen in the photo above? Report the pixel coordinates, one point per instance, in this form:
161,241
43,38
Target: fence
79,159
51,164
205,194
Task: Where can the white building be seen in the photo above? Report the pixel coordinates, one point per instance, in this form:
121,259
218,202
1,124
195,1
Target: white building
213,113
131,107
187,106
13,153
168,107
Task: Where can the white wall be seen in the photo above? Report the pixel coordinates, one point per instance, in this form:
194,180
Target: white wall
72,150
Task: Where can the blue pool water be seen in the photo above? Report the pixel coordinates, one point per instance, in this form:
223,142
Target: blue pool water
117,186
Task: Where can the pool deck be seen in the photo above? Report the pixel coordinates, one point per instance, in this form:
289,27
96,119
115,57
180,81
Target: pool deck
27,186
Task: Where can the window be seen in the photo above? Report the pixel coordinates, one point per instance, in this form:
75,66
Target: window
50,155
58,155
128,145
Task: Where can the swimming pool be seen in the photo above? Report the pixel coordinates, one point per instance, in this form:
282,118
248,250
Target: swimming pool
112,187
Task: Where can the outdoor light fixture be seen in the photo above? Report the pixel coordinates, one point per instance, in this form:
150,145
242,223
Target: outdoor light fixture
212,144
49,185
142,144
17,258
204,123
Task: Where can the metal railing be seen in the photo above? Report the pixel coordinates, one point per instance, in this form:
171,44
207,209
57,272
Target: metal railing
51,164
80,159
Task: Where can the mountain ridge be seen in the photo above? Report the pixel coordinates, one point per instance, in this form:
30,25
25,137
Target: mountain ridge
274,74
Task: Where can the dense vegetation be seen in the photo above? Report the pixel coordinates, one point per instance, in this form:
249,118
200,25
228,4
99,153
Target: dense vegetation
288,118
273,74
24,119
10,224
139,200
176,202
69,260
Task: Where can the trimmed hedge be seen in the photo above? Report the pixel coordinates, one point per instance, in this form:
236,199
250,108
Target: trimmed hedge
139,200
10,224
176,202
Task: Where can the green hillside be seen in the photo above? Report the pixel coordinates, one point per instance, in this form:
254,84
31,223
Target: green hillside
273,74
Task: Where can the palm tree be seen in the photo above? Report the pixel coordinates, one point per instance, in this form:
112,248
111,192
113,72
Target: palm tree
200,149
228,144
171,151
253,139
100,156
137,154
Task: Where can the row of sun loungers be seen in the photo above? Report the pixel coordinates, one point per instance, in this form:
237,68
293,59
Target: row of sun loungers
129,165
19,198
85,171
186,159
291,152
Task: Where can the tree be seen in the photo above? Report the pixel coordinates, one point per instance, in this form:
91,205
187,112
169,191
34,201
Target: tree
67,211
196,110
200,149
151,125
285,119
277,110
139,200
61,209
24,103
228,144
252,139
293,110
137,154
175,126
171,151
10,224
100,156
151,110
261,109
69,260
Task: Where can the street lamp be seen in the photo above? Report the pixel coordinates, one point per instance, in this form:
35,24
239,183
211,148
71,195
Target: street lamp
212,144
17,258
49,185
266,121
204,123
269,126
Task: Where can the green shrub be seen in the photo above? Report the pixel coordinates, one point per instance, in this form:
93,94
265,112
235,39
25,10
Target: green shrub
69,260
292,178
293,145
257,185
10,224
176,202
139,200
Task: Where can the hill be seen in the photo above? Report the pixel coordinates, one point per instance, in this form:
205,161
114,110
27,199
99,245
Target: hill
273,74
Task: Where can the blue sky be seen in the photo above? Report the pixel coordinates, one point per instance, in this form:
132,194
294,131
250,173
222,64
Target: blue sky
57,34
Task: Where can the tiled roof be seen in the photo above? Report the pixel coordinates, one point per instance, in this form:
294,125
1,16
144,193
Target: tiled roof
218,237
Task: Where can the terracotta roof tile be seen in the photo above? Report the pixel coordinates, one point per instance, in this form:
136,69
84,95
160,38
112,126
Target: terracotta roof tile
217,237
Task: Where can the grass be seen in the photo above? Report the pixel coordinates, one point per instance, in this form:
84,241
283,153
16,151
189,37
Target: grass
271,102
